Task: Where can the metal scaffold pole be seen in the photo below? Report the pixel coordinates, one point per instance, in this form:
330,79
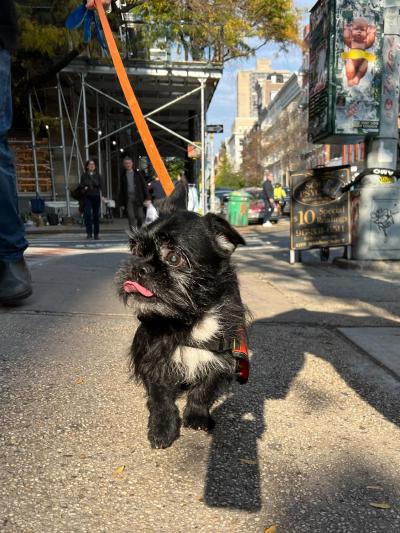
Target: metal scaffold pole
85,122
203,151
35,165
66,177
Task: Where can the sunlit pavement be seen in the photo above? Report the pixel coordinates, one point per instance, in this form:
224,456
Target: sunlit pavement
310,444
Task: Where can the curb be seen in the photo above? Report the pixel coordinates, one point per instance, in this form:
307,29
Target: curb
375,266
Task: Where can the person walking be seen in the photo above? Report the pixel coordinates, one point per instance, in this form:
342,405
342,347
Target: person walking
268,192
134,193
15,278
91,183
279,197
156,189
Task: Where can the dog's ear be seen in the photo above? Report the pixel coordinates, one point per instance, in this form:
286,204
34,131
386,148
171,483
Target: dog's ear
177,201
227,238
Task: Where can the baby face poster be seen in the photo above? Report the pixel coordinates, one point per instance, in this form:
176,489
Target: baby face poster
357,66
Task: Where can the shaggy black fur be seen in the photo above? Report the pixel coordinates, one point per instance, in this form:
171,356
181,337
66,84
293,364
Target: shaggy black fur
184,260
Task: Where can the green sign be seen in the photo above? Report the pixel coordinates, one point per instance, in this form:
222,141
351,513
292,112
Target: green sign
345,70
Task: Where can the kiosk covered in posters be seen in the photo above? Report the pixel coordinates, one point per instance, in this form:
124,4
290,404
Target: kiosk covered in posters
345,70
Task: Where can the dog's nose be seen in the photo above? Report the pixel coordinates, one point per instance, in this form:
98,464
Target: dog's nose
143,267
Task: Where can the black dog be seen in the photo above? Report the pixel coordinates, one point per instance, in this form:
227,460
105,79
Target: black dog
186,295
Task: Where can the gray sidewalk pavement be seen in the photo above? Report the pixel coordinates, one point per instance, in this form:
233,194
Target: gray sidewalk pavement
310,444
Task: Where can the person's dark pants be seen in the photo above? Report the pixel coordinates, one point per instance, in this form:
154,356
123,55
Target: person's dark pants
268,211
12,231
135,213
91,214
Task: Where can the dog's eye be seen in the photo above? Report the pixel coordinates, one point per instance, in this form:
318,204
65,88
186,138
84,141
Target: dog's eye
174,259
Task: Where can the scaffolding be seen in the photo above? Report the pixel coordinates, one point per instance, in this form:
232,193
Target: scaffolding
94,120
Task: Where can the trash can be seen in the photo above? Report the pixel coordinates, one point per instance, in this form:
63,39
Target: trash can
238,208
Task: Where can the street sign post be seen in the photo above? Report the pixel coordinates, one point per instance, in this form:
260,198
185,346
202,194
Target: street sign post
215,128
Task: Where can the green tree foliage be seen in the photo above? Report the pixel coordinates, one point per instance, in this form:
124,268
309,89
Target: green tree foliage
239,26
252,155
175,166
225,175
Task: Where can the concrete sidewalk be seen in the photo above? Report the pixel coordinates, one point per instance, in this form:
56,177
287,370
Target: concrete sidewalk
310,444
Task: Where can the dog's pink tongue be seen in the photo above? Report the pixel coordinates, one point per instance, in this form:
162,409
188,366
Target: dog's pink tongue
132,286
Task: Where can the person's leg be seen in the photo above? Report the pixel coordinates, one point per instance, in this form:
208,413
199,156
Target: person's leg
268,213
15,279
87,213
131,214
96,209
140,215
12,232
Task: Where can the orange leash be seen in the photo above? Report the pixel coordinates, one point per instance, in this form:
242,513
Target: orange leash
133,104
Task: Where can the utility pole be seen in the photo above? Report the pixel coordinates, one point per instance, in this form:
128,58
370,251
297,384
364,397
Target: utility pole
376,236
383,148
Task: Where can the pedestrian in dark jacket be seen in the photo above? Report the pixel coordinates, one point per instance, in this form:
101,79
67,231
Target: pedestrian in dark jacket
157,189
91,183
134,193
268,192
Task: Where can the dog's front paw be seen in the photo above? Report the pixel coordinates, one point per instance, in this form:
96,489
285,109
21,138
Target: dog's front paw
198,421
162,434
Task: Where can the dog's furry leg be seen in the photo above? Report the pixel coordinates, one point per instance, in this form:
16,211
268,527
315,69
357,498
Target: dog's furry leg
200,397
164,422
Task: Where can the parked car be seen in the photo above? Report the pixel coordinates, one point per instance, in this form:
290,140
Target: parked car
257,204
223,196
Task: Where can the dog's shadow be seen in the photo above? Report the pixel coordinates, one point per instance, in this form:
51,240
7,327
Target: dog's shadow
233,476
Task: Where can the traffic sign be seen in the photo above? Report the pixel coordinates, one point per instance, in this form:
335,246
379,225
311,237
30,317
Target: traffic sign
215,128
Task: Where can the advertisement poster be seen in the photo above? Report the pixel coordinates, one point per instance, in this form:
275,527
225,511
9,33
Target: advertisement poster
358,66
345,94
316,220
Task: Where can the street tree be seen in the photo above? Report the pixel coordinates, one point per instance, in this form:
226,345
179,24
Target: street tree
225,174
236,28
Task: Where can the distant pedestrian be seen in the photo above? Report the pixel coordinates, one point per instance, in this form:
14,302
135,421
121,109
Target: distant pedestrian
156,189
134,193
279,197
91,183
268,192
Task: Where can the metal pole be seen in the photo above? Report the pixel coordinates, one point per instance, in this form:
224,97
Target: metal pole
203,150
85,123
66,177
383,149
212,175
35,166
53,184
99,161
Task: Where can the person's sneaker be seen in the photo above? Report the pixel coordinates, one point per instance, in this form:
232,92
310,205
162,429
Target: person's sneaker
96,238
89,237
15,281
268,223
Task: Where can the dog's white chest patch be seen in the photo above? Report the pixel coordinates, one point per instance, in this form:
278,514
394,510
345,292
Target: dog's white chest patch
206,329
195,361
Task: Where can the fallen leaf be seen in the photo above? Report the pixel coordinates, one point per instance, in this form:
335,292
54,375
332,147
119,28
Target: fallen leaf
79,381
248,461
374,487
271,529
118,471
200,499
380,505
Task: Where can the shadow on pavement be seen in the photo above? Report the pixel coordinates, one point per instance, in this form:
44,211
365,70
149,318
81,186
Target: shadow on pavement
233,476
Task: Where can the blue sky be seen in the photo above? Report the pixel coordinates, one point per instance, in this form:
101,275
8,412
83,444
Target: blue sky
223,105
